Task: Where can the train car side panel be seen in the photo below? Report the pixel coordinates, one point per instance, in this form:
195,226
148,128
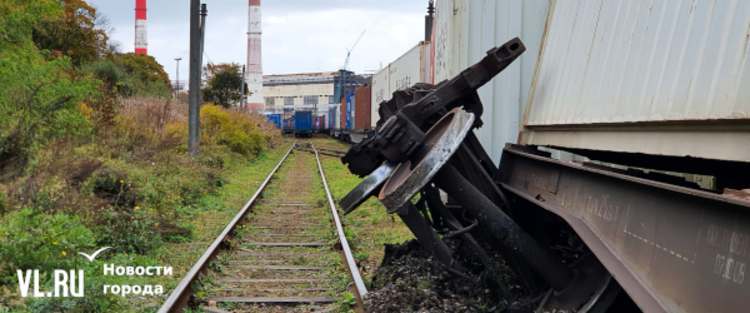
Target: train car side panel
668,81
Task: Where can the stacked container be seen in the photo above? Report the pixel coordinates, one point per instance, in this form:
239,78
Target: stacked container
362,103
320,122
275,118
350,102
337,118
331,114
410,68
342,114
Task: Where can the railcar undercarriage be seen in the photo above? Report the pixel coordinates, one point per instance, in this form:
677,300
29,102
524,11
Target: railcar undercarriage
578,237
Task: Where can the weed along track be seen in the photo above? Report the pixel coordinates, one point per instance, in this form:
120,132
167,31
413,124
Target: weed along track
285,251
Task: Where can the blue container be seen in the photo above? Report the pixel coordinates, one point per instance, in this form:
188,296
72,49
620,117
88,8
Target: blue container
303,120
349,108
276,119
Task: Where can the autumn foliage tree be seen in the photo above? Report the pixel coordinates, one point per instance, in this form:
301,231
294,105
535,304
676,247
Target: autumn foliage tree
224,84
76,32
145,68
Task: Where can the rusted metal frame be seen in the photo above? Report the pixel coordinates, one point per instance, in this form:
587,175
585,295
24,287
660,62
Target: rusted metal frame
503,228
180,296
359,284
673,249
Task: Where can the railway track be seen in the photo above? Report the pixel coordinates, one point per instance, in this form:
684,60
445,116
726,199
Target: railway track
319,151
285,251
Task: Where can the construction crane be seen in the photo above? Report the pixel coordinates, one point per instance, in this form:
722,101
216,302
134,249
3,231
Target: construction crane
342,78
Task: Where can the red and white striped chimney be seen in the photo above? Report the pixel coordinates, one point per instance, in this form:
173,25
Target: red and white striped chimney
141,38
254,76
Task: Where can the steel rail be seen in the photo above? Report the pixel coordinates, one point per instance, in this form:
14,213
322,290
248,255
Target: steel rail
353,270
179,297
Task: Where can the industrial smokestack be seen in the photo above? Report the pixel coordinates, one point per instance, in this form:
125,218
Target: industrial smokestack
254,76
141,38
428,21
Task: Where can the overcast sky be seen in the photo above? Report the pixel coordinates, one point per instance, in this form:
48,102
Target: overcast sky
298,35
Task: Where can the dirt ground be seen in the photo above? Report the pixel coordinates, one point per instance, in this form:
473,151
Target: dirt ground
409,280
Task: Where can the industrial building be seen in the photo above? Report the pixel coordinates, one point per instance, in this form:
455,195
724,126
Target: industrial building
286,93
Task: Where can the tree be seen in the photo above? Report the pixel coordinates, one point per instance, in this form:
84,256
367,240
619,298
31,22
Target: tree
39,96
145,68
77,31
224,84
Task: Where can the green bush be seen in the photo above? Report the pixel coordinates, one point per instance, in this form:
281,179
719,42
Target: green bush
94,301
238,131
247,144
119,76
127,231
106,71
33,240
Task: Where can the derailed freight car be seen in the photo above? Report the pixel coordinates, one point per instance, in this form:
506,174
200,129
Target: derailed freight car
663,88
646,95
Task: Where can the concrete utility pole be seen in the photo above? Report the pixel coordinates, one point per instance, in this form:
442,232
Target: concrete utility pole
195,78
177,88
242,88
204,12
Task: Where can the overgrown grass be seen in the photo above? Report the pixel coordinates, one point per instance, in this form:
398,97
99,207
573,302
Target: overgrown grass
132,187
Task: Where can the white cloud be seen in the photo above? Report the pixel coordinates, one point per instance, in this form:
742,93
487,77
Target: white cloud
275,20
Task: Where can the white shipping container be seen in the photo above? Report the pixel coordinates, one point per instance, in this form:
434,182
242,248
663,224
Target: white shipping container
380,92
463,32
407,69
410,68
337,121
655,77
